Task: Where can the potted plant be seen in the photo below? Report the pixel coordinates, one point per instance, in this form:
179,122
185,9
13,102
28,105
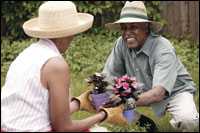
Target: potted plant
127,89
99,95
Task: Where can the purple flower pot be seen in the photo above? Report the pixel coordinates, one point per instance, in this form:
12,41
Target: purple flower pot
99,99
129,115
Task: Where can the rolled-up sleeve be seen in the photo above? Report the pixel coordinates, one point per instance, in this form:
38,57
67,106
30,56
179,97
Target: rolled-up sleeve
114,65
165,72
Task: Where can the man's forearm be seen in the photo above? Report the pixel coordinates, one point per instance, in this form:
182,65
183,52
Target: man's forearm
154,95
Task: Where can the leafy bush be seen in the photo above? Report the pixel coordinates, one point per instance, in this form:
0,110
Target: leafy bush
15,13
88,53
189,56
10,52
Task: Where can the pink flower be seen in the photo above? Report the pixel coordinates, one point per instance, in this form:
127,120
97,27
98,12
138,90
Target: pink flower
118,81
125,85
128,90
118,85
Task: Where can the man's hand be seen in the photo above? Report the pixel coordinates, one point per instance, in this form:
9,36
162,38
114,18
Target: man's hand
84,102
136,94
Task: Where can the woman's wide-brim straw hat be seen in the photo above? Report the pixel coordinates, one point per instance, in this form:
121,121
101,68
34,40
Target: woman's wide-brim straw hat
133,12
58,19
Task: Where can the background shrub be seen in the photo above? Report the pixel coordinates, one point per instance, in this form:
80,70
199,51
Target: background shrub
15,13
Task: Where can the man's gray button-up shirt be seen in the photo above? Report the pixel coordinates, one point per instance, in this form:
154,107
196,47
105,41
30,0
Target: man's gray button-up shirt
156,63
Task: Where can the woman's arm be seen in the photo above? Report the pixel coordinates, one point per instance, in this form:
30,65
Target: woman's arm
57,76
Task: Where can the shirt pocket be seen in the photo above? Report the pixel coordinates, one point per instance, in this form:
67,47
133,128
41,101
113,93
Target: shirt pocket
148,78
148,71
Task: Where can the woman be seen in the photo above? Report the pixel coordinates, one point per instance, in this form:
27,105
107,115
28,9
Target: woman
35,96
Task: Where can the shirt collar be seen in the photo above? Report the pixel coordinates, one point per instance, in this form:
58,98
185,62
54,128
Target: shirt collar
147,47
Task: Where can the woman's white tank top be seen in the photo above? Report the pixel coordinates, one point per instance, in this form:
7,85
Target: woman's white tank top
24,101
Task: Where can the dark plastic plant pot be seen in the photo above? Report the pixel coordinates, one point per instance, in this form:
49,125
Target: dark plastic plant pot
99,99
147,123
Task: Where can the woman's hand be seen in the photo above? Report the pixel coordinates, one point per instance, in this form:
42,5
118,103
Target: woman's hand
84,102
114,115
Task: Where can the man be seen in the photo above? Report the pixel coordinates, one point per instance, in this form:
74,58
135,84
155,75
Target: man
152,60
35,96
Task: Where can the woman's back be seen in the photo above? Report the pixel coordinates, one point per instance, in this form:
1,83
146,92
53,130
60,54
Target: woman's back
28,99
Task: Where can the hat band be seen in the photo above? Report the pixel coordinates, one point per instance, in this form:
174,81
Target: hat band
133,16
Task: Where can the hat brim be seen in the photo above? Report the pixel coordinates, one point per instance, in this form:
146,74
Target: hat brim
31,28
116,25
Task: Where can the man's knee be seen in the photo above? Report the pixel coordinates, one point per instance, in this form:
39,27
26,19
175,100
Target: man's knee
186,121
